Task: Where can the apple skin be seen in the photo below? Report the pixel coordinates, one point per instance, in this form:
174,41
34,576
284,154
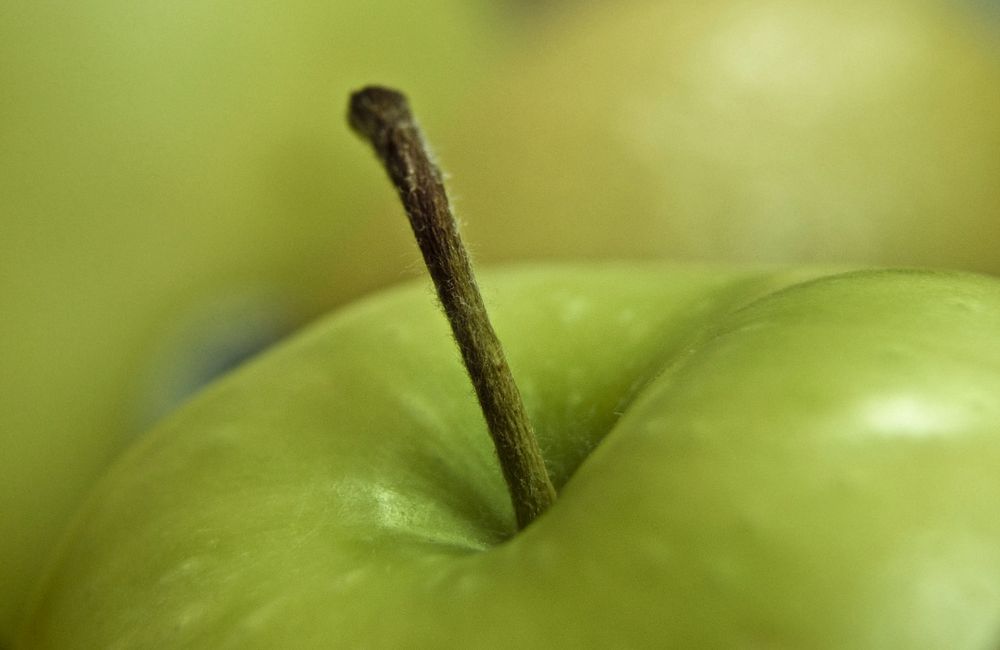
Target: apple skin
745,459
176,180
751,131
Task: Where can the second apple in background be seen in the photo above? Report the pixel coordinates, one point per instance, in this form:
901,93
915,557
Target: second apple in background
772,131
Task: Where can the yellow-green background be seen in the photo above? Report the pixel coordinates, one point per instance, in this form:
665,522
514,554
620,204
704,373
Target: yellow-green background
177,187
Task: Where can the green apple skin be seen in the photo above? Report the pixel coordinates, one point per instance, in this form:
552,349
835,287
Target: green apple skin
757,131
166,168
744,459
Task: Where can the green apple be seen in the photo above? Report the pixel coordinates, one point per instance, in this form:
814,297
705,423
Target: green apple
741,130
176,188
744,459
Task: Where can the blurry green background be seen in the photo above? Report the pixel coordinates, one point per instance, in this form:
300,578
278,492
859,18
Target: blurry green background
178,188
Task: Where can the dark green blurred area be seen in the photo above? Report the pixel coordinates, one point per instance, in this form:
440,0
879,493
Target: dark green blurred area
178,188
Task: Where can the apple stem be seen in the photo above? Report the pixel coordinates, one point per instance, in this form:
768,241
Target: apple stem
382,116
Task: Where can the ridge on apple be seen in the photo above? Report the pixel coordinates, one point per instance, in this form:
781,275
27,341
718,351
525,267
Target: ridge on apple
743,457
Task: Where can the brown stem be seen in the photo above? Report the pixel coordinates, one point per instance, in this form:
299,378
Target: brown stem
382,116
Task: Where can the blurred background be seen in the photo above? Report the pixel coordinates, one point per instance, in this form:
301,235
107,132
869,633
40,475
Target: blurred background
178,188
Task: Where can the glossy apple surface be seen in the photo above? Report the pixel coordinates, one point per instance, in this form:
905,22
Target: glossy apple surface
176,188
744,460
753,130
